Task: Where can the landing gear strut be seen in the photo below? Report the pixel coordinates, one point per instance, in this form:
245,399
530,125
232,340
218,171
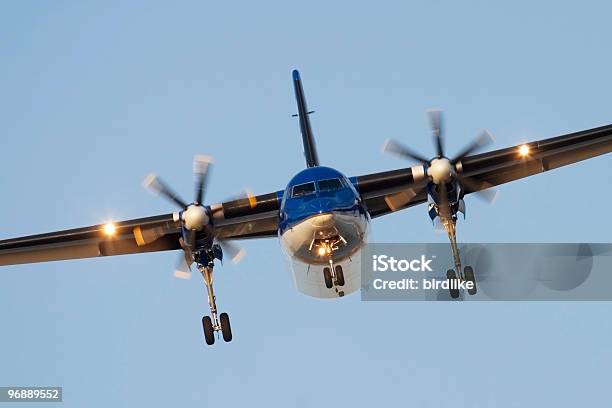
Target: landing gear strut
213,323
465,275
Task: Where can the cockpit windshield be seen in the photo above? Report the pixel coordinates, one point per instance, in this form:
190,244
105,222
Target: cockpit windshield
303,189
329,184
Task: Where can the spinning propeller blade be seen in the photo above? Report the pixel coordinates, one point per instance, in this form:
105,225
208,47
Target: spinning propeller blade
481,190
156,185
232,250
201,166
444,205
183,268
398,200
394,147
435,121
483,139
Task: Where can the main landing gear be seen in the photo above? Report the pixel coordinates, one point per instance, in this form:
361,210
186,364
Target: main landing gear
457,275
213,323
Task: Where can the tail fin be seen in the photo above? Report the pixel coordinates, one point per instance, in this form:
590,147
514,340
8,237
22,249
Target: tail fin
310,150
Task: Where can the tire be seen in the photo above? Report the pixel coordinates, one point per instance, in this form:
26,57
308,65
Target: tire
339,275
450,274
226,329
468,272
209,332
328,279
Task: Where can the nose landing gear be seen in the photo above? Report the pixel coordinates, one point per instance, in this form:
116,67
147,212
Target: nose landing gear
465,275
213,323
334,277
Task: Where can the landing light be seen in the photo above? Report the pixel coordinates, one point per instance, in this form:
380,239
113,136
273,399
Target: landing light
321,251
109,228
524,150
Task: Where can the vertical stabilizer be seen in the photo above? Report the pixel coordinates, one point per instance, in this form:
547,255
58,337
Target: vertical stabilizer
310,150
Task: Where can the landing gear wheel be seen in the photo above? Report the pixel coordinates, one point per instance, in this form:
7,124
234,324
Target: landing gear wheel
339,275
209,332
450,275
328,278
468,272
226,329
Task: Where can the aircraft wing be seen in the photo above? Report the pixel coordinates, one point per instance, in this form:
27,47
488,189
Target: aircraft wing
237,219
257,217
488,169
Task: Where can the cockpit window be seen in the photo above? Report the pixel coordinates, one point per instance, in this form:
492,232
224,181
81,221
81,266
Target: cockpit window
330,184
303,189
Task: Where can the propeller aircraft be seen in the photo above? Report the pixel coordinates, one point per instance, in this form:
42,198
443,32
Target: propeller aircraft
321,217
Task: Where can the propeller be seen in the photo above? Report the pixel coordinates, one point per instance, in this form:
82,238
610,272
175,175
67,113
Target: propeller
440,170
194,218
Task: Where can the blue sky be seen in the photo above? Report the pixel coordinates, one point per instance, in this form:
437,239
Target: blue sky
97,94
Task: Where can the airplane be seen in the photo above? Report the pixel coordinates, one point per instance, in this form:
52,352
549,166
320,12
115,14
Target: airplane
321,217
